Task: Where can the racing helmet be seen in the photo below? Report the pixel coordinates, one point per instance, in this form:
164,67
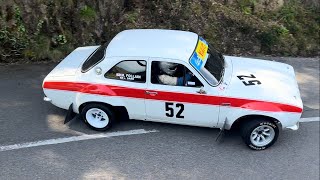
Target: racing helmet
168,67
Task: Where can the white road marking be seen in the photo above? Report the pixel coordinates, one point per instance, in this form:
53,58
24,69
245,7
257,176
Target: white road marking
96,136
310,119
73,139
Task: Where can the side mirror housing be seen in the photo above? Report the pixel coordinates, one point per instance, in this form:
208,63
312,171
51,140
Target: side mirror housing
202,91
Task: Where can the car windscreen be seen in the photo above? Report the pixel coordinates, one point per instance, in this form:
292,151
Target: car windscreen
96,57
214,65
208,62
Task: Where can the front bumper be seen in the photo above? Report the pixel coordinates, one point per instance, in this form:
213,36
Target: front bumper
294,127
45,98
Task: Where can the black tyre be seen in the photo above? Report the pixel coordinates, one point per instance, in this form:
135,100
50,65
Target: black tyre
259,134
97,116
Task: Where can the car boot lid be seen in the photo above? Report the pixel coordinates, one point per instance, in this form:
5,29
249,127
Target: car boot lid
70,65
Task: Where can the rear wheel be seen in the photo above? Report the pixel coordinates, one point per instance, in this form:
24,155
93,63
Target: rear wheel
97,116
259,134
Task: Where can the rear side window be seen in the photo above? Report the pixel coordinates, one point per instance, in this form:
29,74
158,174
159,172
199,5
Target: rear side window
129,70
96,57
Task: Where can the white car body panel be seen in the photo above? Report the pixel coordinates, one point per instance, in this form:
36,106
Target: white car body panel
60,98
195,114
277,96
134,106
231,114
70,65
278,82
135,43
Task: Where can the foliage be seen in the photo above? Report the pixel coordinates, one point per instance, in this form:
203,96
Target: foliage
13,40
87,13
301,22
247,6
238,27
59,39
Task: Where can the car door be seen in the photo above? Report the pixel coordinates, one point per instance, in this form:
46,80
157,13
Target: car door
182,103
127,80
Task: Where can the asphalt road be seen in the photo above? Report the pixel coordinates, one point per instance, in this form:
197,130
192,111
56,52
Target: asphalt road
172,152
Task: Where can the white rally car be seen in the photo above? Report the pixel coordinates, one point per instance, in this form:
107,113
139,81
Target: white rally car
176,77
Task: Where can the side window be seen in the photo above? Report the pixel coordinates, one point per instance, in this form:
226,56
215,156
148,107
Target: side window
173,74
129,70
96,57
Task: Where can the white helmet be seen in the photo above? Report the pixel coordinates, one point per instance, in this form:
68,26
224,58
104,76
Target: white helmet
168,67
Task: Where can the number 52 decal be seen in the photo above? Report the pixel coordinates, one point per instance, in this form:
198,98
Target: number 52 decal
170,110
249,82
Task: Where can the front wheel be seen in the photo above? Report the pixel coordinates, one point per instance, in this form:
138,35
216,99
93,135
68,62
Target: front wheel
259,134
97,116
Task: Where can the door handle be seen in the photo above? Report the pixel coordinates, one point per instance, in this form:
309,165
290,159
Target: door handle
225,104
151,93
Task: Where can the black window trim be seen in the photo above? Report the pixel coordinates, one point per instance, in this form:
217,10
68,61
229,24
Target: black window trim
126,80
92,66
185,65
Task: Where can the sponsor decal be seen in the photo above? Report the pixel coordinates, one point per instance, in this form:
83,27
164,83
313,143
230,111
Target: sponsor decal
130,77
202,49
199,56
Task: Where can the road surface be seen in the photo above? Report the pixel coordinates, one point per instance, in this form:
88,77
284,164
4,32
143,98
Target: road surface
35,144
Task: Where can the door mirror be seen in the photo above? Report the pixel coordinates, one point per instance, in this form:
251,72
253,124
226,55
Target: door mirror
202,91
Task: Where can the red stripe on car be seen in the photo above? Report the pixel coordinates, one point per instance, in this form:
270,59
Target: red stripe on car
109,90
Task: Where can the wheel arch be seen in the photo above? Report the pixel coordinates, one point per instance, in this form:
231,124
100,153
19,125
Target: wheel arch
240,120
120,111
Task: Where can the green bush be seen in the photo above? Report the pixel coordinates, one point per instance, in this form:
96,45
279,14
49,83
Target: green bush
236,27
13,40
247,6
301,22
272,36
87,13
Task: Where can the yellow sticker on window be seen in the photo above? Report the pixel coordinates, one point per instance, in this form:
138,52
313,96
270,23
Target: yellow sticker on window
202,49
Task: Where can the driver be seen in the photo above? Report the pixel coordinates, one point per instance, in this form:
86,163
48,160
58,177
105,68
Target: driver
167,74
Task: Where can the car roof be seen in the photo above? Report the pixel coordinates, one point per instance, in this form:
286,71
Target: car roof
172,44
